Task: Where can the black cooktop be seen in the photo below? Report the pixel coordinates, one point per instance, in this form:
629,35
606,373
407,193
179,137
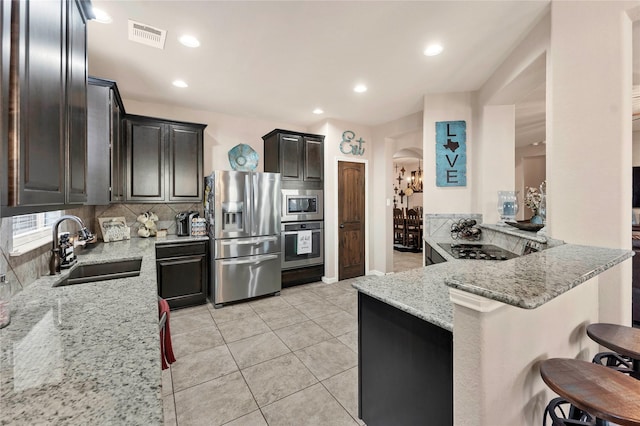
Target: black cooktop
477,251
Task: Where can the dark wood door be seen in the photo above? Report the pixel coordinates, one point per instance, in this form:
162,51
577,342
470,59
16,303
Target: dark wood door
351,214
36,146
185,163
145,160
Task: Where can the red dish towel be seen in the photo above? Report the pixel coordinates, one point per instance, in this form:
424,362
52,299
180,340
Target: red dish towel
166,350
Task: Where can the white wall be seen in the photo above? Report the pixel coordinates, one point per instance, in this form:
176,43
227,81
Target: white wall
636,147
589,147
497,151
384,146
223,131
447,107
333,136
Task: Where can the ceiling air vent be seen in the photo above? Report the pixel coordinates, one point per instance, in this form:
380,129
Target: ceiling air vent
146,34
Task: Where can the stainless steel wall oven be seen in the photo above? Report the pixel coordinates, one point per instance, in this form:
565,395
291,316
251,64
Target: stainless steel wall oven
302,244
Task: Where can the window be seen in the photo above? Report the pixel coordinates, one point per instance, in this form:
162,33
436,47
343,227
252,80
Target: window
32,230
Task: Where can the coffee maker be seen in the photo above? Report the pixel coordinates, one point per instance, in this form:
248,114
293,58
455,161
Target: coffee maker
182,224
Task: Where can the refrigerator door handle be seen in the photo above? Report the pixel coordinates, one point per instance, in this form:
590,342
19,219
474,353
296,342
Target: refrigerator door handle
252,241
255,260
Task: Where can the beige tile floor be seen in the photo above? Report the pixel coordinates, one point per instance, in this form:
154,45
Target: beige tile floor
280,360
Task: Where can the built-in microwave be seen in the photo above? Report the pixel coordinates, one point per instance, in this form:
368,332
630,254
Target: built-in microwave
302,205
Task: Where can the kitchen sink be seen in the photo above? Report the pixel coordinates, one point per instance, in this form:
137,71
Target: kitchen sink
102,271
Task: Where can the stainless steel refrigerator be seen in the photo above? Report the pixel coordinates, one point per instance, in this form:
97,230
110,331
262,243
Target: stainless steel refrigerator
243,213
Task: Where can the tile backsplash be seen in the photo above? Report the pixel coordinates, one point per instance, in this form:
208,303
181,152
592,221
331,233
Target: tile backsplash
166,214
25,269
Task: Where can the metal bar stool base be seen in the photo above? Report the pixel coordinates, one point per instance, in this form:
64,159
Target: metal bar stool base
562,413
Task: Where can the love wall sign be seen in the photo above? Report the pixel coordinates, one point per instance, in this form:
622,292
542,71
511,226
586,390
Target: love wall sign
451,153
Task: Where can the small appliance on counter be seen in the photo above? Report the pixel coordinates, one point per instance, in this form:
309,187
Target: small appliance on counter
182,224
190,221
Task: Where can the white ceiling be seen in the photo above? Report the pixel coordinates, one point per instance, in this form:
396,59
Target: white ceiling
280,60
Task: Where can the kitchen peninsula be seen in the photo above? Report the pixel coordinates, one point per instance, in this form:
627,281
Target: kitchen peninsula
473,332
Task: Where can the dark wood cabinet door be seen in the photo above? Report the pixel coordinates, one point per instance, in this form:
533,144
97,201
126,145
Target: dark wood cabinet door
145,160
313,160
117,149
185,163
290,155
36,147
182,273
5,38
98,145
76,184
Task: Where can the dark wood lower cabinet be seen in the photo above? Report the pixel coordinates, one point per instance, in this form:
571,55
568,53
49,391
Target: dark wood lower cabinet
182,272
405,368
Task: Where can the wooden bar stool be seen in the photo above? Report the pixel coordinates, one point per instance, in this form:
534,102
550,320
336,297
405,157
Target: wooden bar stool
594,389
625,341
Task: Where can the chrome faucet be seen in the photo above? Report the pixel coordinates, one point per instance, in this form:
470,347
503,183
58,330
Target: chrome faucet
83,233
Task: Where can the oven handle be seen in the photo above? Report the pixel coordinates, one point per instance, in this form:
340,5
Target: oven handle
255,260
253,241
313,231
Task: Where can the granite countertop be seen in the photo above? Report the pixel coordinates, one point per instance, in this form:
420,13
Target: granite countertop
86,353
526,282
533,280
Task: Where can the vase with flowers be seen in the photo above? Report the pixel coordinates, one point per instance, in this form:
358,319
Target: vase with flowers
534,199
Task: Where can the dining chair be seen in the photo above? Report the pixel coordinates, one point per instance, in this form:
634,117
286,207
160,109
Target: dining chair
413,229
399,236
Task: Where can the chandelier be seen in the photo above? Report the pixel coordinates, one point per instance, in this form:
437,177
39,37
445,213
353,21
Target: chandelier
414,182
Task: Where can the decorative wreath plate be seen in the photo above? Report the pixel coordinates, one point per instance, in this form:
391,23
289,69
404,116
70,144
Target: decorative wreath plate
243,158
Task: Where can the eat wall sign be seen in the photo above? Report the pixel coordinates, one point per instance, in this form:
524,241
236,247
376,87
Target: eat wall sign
451,153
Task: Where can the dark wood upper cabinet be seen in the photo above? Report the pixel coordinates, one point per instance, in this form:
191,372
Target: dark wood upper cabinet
105,160
145,160
76,185
185,163
5,37
37,135
46,150
313,159
163,160
298,157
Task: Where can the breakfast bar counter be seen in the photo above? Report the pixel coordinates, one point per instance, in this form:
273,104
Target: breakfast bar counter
427,332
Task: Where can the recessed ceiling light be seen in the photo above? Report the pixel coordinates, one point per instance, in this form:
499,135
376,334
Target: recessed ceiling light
360,88
189,41
535,143
318,111
180,83
433,50
102,16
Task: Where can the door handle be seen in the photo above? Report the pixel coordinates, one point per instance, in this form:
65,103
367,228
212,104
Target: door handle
342,225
